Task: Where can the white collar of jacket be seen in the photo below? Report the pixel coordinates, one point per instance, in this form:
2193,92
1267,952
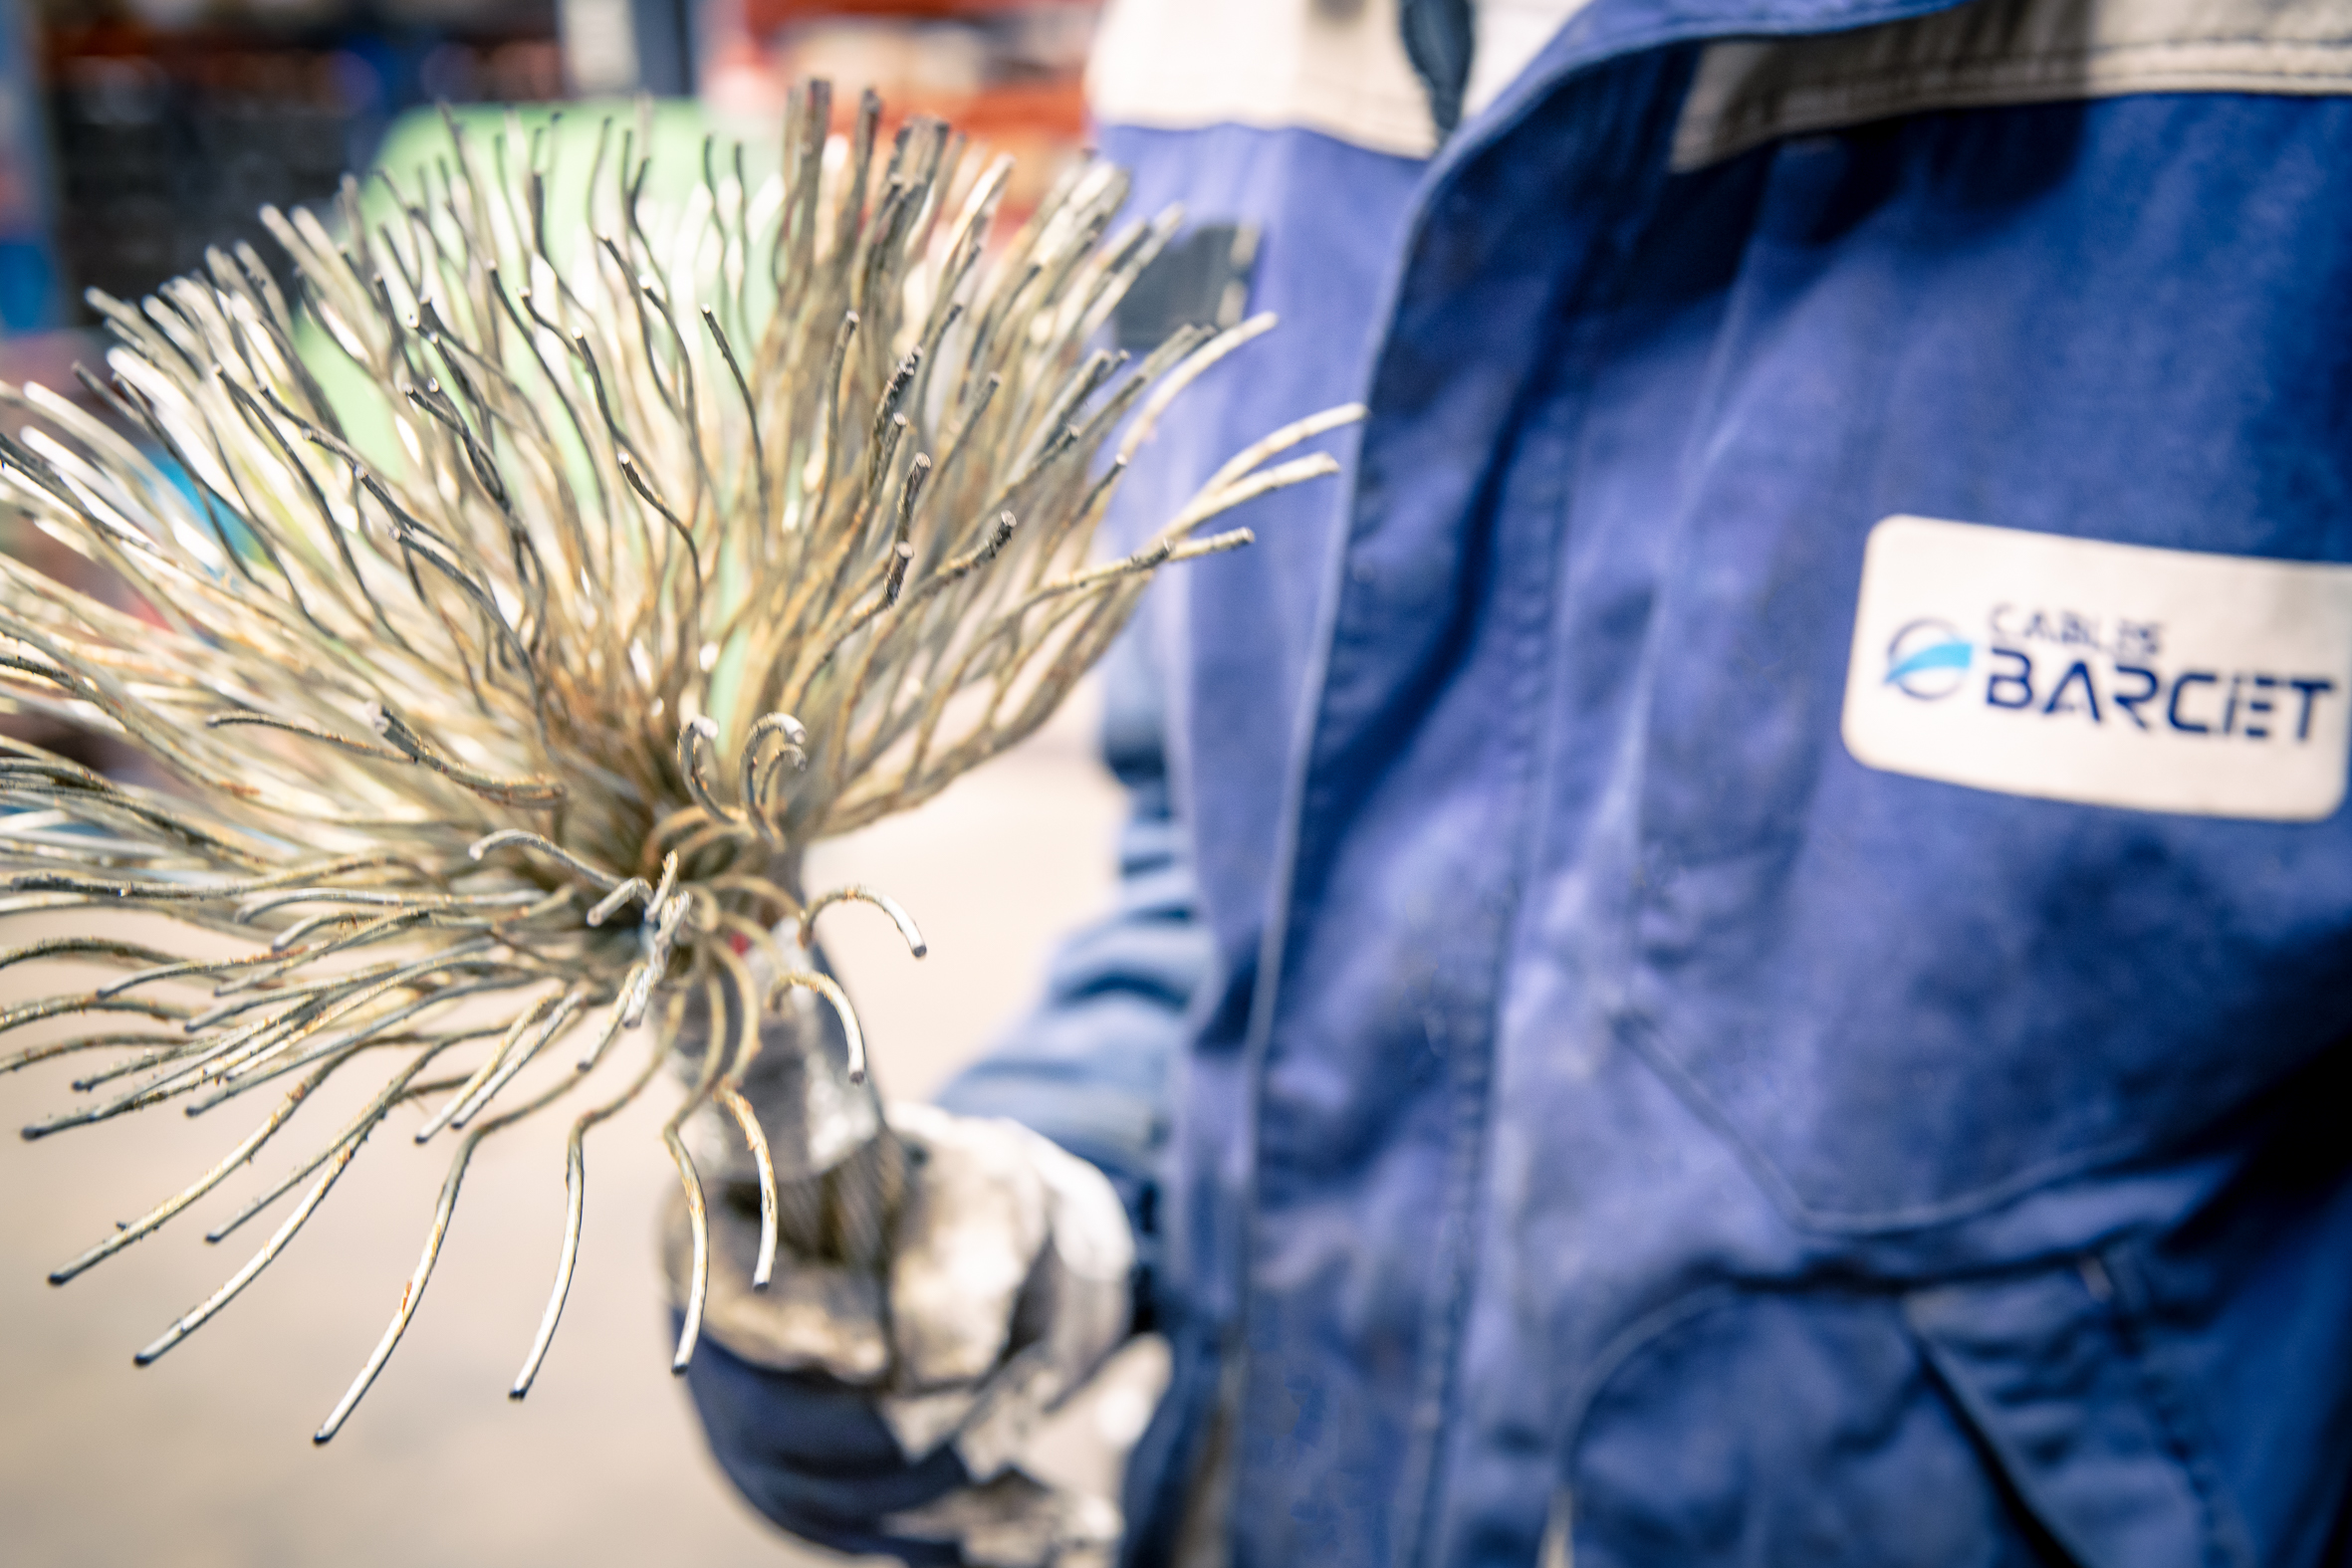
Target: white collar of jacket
1334,65
1339,66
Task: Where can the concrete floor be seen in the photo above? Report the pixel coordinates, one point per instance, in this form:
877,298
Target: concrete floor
205,1459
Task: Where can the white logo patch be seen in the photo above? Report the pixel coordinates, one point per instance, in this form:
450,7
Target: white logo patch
2068,669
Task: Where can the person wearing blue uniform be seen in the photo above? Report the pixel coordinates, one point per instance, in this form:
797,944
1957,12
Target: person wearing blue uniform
1735,949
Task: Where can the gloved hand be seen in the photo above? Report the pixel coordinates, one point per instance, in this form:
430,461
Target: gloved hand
881,1402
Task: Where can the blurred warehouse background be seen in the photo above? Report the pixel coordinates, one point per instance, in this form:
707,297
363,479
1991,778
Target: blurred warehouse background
133,134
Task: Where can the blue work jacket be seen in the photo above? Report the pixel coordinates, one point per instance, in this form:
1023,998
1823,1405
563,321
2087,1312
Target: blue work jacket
1581,1109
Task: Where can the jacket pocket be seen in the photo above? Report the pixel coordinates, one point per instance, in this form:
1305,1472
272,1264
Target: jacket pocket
1965,1428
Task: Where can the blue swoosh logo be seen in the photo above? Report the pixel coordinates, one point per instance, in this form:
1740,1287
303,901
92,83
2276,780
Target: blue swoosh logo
1939,656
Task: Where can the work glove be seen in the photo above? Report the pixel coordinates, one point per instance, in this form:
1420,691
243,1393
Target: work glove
943,1283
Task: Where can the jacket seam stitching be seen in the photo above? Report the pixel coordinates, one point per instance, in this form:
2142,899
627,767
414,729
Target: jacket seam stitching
2168,1410
1626,1347
1467,1207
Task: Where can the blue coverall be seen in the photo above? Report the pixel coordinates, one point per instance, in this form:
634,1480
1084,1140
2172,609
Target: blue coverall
1560,1085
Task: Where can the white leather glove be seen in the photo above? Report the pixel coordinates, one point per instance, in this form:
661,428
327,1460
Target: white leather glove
1004,1285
